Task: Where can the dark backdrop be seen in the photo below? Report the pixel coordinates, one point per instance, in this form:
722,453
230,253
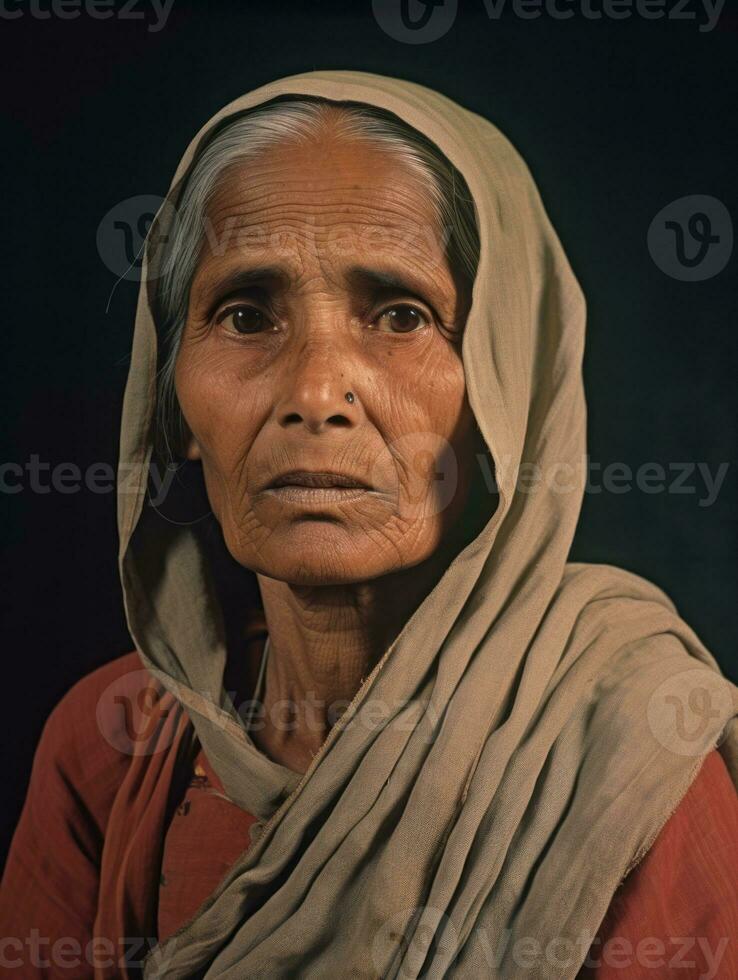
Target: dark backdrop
616,119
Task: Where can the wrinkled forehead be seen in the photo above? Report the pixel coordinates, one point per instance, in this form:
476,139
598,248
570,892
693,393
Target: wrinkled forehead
320,208
323,199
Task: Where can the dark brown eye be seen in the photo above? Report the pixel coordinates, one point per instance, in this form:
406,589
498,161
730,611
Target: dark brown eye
402,318
245,319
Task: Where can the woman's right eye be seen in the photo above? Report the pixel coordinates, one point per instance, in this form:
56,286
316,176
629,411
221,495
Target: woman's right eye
244,319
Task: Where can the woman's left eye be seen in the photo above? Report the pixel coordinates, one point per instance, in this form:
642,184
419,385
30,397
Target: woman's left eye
244,319
402,318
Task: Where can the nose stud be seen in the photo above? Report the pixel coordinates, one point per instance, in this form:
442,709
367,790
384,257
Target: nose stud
350,397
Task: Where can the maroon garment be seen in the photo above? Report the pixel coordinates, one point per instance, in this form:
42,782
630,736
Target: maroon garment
126,830
206,835
678,906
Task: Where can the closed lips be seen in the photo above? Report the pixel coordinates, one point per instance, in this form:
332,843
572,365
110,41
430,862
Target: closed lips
312,478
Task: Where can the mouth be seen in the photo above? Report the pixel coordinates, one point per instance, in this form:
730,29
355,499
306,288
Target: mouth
317,480
307,487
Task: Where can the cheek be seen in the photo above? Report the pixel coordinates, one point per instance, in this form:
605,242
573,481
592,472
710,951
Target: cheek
426,424
419,390
222,410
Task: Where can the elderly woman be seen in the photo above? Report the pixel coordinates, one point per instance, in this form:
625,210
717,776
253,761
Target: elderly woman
375,725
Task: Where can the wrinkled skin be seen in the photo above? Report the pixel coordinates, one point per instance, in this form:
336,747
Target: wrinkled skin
358,297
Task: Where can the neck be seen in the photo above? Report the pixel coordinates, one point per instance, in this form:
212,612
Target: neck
323,642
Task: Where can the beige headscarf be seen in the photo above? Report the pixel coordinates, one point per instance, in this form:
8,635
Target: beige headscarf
546,718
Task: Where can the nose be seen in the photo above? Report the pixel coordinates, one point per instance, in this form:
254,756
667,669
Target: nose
317,393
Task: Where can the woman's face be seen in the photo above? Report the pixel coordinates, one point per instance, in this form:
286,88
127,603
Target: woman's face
323,272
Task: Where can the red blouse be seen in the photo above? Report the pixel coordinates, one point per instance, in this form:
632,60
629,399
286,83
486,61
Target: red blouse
675,915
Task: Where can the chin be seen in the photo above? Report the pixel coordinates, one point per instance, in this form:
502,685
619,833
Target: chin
317,553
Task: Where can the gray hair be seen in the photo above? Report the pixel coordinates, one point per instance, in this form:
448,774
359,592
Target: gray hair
240,139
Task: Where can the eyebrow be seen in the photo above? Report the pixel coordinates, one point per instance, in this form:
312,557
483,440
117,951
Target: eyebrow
215,286
241,279
364,278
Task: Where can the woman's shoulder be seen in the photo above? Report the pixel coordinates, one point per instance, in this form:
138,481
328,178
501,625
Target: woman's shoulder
709,807
85,691
79,712
78,766
684,886
85,741
696,852
89,686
